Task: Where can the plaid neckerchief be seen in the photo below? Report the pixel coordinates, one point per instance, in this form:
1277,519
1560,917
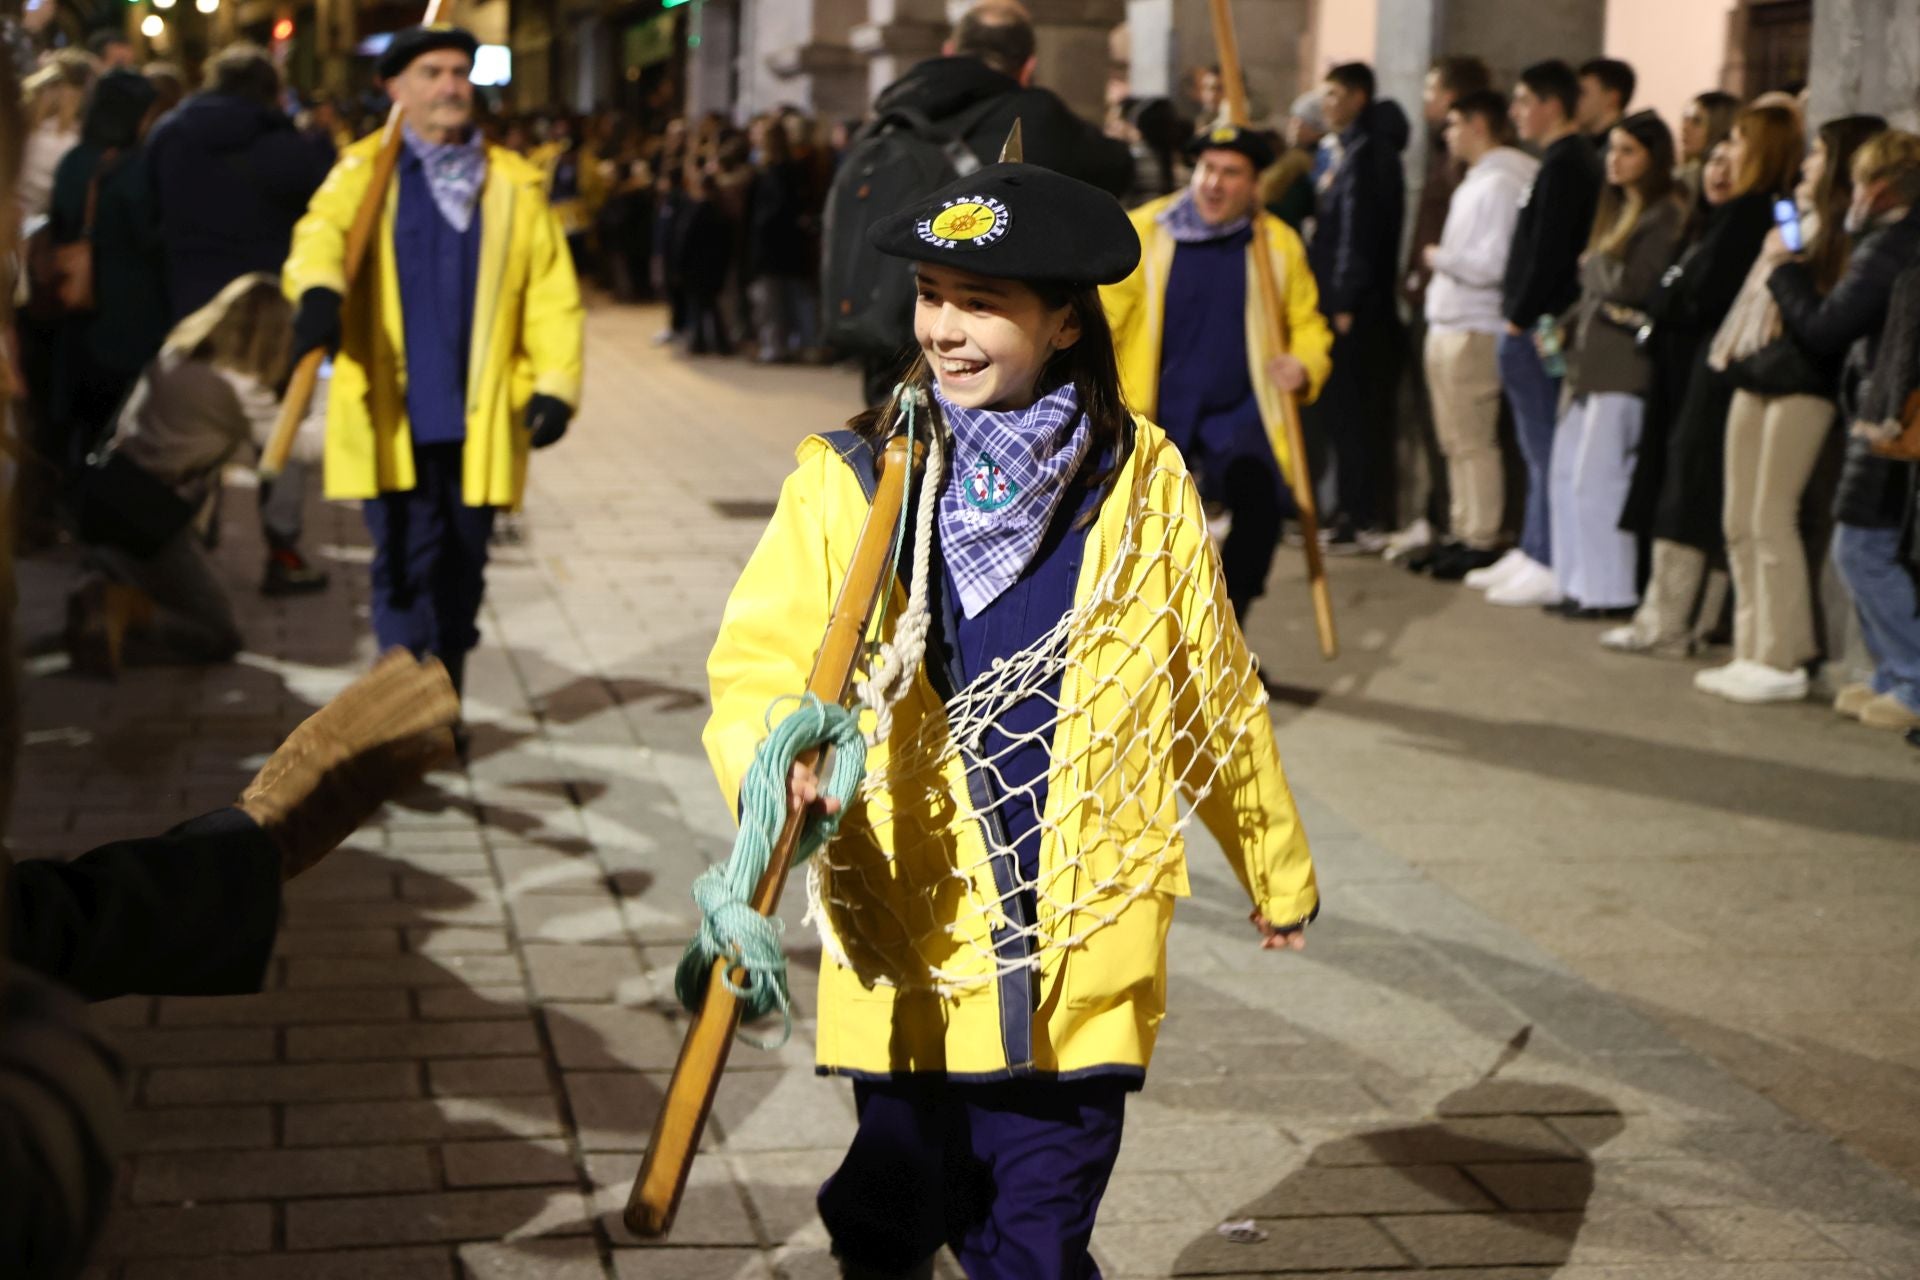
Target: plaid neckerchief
1006,474
1183,222
455,172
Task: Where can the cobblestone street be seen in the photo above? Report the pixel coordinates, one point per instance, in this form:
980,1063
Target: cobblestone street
1611,984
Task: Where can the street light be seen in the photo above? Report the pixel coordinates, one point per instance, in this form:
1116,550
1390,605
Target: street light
164,4
206,6
152,26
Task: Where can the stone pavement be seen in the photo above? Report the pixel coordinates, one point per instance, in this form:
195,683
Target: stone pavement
1611,985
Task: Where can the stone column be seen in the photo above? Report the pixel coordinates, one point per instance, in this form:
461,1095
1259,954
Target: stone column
1071,50
897,34
1866,58
713,58
802,52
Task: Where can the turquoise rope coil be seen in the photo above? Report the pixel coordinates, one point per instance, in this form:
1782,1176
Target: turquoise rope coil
729,926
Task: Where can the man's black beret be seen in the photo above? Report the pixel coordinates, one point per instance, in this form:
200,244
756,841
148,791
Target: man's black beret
1016,222
1251,143
414,41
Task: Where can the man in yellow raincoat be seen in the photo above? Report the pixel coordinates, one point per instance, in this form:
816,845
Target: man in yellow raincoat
458,350
1196,344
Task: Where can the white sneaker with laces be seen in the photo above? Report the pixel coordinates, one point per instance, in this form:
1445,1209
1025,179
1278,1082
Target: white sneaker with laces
1497,572
1531,586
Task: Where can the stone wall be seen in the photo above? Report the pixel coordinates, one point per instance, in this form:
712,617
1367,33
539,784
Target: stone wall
1866,58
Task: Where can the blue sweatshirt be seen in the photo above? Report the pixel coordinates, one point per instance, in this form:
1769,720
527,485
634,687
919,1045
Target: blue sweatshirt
439,269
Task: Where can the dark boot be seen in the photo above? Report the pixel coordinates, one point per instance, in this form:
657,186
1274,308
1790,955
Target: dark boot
289,574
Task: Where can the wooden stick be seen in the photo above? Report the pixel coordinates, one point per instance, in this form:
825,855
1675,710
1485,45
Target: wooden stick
1301,481
703,1054
366,221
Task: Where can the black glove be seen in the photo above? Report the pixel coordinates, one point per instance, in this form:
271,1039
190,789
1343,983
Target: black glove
547,419
317,323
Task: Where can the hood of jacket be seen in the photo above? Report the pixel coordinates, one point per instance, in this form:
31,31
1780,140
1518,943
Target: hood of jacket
943,87
1385,124
222,122
1505,162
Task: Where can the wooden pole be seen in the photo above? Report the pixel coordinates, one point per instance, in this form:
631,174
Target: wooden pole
366,222
703,1054
1301,481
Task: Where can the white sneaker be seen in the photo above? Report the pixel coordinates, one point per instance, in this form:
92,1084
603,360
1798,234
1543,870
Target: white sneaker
1753,683
1532,585
1497,572
1417,536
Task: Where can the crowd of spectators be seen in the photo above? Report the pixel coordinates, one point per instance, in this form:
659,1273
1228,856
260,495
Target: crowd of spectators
1628,371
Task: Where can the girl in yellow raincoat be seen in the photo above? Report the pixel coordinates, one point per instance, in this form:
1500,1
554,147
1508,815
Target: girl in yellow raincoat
994,910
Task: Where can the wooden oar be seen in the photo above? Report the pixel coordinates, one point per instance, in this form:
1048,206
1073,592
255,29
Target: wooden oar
1301,481
703,1055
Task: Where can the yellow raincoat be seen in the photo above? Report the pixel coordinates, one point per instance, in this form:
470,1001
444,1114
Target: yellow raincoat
527,334
1098,1005
1136,308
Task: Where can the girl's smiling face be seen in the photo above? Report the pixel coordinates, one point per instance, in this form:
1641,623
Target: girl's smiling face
987,340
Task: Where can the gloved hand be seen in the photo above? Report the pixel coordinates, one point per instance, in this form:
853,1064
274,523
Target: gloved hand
316,323
379,735
547,419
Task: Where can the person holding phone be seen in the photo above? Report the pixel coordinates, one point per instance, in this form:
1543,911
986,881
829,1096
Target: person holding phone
1676,495
1778,423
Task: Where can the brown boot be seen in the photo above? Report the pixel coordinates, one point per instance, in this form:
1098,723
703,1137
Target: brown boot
100,613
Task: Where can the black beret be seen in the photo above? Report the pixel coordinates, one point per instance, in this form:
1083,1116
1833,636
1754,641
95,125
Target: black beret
414,41
1016,222
1251,143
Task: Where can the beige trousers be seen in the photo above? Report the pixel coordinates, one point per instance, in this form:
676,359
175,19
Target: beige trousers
1683,599
1463,381
1773,443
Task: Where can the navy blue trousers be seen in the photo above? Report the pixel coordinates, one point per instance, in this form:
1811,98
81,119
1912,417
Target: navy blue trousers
429,561
1009,1176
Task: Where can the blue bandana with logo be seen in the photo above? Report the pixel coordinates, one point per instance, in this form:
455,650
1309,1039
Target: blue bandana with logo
455,172
1006,474
1183,222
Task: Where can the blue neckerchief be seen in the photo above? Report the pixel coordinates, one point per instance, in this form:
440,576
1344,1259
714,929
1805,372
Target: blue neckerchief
455,172
1183,221
1006,474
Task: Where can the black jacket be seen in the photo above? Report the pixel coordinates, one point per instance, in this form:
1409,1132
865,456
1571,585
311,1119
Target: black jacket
190,913
1556,219
1873,490
1355,252
942,88
1677,473
230,178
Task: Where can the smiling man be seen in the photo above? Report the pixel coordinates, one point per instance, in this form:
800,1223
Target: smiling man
1195,343
457,353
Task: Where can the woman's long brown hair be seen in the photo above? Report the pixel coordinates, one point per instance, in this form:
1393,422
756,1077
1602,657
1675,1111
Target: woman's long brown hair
1621,208
1832,246
1089,364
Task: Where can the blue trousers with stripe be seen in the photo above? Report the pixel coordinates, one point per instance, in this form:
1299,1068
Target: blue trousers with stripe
1009,1176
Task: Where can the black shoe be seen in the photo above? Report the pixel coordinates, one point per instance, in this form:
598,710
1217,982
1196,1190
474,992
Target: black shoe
1568,608
1620,614
289,575
1431,556
1462,560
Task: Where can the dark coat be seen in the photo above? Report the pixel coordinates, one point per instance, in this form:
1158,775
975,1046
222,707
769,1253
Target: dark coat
1355,251
1873,490
703,248
60,1128
1556,219
1677,477
189,913
230,178
779,231
1052,136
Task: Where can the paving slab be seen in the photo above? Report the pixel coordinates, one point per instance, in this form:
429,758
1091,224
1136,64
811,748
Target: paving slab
1613,983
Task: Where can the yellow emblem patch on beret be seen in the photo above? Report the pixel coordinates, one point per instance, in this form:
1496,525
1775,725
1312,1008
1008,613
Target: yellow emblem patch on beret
1223,133
968,222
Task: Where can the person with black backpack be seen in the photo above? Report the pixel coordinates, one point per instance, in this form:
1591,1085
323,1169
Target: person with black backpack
942,120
